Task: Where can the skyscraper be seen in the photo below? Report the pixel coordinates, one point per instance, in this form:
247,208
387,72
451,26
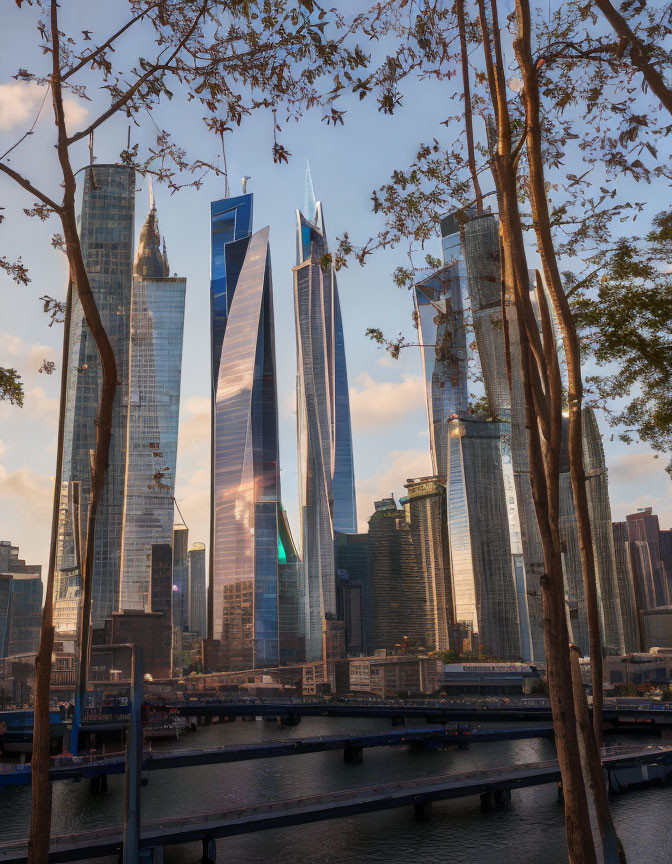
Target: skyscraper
20,602
197,617
106,232
243,602
468,445
180,574
157,323
326,468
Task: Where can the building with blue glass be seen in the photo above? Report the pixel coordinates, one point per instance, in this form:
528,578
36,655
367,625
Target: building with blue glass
20,602
243,591
326,467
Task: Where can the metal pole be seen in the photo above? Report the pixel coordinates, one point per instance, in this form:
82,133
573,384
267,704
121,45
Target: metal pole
133,762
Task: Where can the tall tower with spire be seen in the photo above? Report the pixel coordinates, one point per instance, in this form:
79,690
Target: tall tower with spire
326,467
155,363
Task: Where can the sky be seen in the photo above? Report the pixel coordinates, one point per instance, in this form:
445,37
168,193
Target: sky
387,396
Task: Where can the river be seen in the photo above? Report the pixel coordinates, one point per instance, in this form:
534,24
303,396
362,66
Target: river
458,833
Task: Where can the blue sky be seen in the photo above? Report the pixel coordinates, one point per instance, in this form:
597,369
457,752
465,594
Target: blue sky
347,163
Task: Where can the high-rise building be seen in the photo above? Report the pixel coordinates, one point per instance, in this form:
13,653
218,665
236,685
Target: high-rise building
243,593
326,468
292,646
471,446
157,323
398,600
643,527
161,593
425,506
180,577
630,605
20,602
197,617
353,590
106,233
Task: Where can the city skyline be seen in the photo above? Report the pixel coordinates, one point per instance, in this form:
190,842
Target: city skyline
374,387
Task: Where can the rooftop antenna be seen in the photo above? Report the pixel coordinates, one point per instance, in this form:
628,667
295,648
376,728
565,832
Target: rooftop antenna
152,205
244,182
91,156
310,202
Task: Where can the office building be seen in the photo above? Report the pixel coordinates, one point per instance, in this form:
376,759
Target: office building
180,576
243,592
326,472
398,604
197,615
157,323
20,602
425,506
630,605
106,234
353,591
291,639
644,528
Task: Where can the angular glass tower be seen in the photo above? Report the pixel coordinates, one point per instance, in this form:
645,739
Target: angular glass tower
106,231
157,325
326,468
243,594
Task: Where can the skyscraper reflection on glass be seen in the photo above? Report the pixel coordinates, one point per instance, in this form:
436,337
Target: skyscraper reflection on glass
244,583
106,232
326,468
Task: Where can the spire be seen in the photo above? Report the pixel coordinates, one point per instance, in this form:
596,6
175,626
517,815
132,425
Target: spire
310,204
151,262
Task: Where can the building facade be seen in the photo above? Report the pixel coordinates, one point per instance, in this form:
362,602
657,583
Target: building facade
106,231
197,606
157,325
326,468
244,581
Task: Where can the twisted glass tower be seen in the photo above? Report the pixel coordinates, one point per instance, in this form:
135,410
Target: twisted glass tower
326,468
243,593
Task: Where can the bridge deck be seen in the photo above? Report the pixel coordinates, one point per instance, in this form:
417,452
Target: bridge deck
19,775
315,808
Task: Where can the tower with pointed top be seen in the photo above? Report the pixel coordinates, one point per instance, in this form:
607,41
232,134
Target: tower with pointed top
326,467
155,355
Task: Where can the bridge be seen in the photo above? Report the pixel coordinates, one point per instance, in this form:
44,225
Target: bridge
351,743
494,785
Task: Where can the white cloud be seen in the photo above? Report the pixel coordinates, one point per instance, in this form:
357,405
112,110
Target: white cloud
376,404
20,101
3,447
635,465
27,490
398,467
40,406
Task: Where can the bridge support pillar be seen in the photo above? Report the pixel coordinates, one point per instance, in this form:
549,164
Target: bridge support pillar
353,755
288,720
209,854
99,783
422,811
500,799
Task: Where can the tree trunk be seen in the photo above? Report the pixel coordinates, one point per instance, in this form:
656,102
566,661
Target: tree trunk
613,849
542,224
542,388
40,793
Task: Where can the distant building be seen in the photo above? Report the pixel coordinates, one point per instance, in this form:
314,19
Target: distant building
181,576
196,592
643,527
291,618
628,588
20,602
657,627
425,506
353,590
398,598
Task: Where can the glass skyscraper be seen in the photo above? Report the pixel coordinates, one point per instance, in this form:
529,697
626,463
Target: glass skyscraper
243,599
157,324
20,602
326,468
106,232
468,446
197,599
